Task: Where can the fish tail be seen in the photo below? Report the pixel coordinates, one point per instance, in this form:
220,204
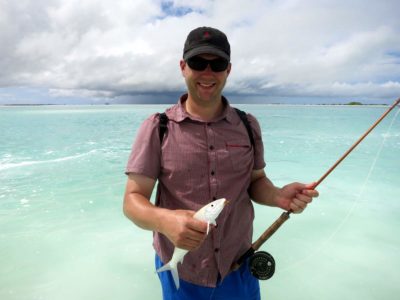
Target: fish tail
174,272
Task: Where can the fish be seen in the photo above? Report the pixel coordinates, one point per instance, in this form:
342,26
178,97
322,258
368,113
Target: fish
207,213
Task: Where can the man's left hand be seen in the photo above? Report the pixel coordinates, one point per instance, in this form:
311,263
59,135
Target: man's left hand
296,196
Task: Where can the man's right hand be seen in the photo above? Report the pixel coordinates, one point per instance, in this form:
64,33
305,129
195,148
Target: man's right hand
182,229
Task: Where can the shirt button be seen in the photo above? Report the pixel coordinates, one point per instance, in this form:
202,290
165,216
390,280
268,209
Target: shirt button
214,198
212,173
211,147
216,249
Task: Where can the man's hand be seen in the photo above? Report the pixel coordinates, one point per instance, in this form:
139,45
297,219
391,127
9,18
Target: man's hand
183,230
295,196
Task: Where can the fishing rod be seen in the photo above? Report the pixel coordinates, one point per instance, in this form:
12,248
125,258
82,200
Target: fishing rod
262,264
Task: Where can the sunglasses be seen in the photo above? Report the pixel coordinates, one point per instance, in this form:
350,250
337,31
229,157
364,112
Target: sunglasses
198,63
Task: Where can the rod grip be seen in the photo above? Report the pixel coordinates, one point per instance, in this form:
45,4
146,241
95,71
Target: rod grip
236,265
261,240
271,230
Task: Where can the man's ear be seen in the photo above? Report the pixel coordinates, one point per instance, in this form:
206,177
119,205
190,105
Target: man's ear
182,65
228,70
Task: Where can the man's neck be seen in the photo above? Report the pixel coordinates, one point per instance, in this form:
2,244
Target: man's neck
204,112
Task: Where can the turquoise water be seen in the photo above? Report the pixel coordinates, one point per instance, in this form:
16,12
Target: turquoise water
63,234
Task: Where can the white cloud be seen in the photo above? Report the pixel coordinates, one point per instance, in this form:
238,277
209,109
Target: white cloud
104,48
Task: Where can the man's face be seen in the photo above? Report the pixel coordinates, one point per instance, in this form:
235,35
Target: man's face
205,86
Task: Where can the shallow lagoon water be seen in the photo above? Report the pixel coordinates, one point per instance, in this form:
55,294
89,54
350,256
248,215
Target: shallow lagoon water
63,234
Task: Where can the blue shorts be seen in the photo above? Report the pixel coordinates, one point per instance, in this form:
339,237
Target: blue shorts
238,285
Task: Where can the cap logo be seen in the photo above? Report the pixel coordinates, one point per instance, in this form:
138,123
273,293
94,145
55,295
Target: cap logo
206,34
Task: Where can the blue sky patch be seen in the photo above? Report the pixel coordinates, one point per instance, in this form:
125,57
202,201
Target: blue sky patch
170,10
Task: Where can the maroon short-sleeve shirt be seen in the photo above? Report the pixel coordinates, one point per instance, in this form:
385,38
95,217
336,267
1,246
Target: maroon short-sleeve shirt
197,163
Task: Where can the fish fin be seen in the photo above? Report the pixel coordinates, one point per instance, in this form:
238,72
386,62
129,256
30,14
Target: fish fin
181,261
174,272
163,268
208,225
175,276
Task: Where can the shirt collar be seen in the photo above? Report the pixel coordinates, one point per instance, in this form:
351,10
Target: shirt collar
178,113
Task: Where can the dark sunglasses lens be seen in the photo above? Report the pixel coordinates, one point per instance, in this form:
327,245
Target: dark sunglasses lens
218,65
197,63
200,64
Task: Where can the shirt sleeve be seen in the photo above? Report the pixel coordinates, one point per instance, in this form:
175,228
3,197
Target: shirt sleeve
259,162
144,158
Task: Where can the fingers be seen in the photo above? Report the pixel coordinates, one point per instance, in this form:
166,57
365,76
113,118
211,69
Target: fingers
301,200
184,231
309,191
190,239
296,196
197,225
299,203
311,186
196,230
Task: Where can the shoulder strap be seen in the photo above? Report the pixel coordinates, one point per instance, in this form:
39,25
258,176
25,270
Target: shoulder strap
243,117
163,125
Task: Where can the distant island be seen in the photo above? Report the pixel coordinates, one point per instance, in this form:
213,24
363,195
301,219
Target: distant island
354,103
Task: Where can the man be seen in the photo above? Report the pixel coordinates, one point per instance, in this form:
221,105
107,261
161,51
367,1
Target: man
204,155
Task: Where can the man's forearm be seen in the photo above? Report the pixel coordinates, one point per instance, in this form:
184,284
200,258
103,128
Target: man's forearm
263,191
142,212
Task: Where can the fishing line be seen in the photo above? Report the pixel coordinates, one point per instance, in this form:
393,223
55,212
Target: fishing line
355,202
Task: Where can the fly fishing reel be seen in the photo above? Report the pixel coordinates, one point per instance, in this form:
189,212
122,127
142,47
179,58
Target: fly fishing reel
262,265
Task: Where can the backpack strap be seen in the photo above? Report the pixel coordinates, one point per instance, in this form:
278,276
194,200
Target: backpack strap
243,117
163,125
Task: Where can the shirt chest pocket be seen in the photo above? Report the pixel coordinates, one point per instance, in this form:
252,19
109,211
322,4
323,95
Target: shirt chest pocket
241,154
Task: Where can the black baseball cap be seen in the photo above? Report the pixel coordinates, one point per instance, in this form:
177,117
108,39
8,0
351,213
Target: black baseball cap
207,40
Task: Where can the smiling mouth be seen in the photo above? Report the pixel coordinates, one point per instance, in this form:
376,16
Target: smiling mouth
207,85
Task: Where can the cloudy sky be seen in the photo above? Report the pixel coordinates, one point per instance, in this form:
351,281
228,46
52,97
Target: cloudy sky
121,51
